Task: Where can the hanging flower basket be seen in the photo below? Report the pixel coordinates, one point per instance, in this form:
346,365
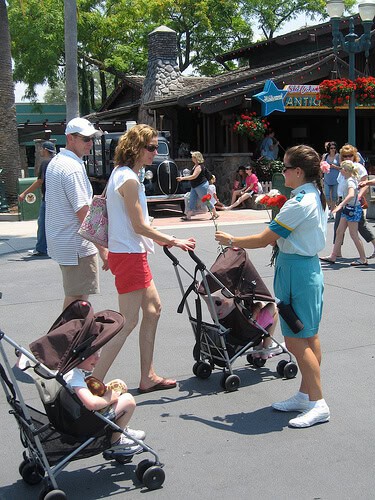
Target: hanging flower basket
365,90
336,93
251,126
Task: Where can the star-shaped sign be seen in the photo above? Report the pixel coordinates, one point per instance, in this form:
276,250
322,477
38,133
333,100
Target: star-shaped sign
272,98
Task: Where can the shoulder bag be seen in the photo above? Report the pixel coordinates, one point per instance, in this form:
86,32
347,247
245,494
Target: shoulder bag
94,228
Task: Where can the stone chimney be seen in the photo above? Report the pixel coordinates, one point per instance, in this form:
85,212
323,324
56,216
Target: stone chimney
163,76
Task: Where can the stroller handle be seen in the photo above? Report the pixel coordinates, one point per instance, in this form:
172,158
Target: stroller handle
169,254
197,260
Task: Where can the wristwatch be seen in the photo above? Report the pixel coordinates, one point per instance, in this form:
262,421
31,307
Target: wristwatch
230,242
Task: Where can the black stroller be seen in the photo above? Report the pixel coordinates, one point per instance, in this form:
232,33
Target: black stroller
234,332
50,439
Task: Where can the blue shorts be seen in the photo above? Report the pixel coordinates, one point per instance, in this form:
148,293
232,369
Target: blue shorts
299,281
356,217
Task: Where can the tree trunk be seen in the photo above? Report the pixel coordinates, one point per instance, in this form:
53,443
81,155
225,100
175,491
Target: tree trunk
71,72
10,163
103,85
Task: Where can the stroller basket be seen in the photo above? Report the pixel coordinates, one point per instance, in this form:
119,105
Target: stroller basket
229,288
55,444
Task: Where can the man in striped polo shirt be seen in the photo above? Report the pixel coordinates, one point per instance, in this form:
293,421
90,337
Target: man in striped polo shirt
68,196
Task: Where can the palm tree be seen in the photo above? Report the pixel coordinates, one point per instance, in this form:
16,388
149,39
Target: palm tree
71,71
10,164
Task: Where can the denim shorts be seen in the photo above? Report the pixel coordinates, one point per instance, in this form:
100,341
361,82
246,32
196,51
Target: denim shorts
356,217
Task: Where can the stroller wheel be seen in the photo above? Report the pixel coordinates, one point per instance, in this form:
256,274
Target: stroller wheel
142,467
22,465
250,359
290,370
259,362
153,478
280,367
32,473
230,383
203,369
52,495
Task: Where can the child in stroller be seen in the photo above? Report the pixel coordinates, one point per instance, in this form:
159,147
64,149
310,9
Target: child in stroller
265,314
95,396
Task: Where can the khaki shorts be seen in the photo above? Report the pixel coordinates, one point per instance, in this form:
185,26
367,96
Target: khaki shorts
82,279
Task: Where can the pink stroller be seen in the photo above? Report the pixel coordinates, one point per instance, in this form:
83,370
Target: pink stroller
234,281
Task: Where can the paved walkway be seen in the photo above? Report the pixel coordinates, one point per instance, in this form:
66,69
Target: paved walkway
20,235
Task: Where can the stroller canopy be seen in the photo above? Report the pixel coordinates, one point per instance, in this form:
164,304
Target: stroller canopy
236,272
75,335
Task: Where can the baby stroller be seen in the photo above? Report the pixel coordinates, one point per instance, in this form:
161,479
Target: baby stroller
50,438
232,283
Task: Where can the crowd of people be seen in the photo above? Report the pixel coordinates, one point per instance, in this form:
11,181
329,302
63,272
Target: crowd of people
298,232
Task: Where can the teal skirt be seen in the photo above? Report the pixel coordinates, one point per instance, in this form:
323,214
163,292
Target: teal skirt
299,281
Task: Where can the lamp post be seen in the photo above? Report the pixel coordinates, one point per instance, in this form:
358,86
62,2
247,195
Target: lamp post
351,44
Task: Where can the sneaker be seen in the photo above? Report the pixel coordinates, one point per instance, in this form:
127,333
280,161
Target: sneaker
312,416
295,403
35,253
140,435
126,446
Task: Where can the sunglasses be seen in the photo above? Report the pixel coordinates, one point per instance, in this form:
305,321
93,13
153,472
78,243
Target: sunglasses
151,148
84,138
332,147
347,156
288,168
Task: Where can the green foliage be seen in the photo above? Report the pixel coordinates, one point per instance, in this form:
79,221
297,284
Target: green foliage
272,15
113,34
266,168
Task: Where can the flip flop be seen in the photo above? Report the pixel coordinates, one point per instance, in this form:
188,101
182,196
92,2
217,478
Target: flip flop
358,263
372,256
163,385
327,259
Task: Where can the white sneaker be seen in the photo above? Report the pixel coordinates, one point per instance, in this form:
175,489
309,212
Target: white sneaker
126,446
140,435
295,403
315,415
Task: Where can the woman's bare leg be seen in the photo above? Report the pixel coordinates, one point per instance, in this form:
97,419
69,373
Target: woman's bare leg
129,305
353,231
308,356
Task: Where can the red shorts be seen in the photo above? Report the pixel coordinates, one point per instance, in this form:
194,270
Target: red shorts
131,271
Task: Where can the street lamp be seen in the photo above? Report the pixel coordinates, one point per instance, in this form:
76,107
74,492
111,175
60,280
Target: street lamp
351,44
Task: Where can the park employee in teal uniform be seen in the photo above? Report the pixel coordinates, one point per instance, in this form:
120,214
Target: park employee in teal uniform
300,233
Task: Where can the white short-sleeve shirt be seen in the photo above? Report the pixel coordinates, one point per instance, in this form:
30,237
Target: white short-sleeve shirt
341,181
68,189
121,236
75,378
301,223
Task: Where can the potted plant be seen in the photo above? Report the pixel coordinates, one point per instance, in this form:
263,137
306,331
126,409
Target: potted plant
365,90
251,126
335,93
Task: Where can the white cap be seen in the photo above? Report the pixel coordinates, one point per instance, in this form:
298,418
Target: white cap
82,126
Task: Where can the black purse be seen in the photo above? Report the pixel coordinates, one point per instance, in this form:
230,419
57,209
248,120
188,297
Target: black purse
349,209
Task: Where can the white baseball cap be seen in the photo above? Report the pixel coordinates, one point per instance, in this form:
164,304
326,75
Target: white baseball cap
82,126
